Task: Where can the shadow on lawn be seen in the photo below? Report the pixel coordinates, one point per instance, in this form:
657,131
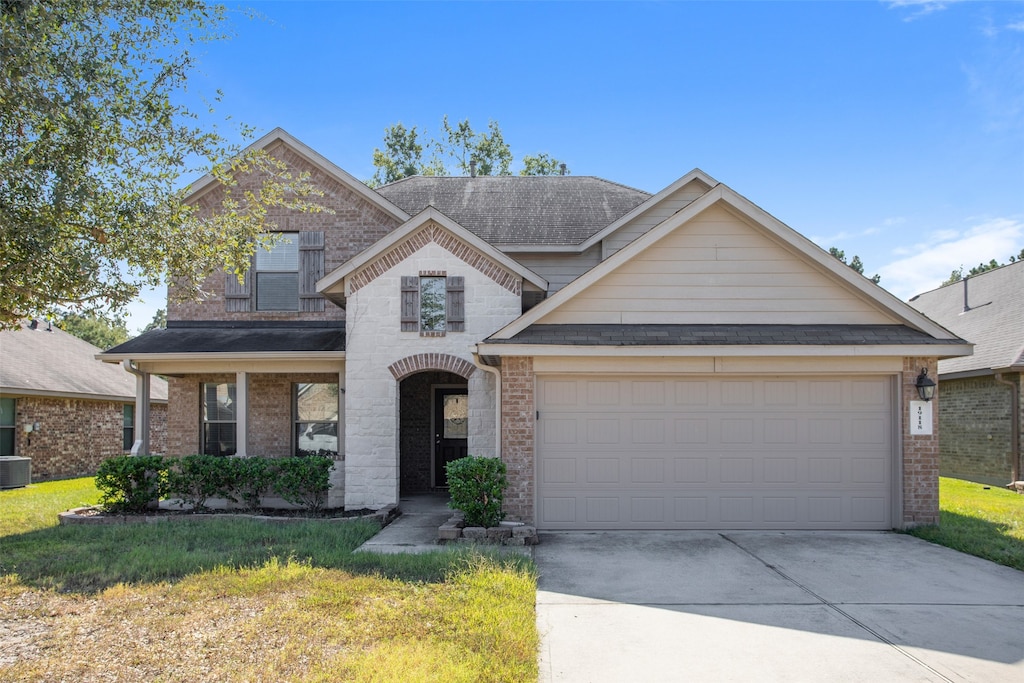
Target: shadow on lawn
975,536
90,559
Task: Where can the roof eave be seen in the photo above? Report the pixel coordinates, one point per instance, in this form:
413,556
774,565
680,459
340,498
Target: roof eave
775,350
222,356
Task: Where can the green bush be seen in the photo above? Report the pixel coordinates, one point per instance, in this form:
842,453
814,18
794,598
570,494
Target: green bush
196,478
128,484
252,477
477,486
303,481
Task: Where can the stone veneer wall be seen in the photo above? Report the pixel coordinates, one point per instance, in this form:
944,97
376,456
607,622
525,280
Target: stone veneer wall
76,435
375,344
518,427
354,225
270,412
920,452
976,425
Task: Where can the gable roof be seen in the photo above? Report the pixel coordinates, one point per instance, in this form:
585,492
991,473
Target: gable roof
858,286
517,210
333,281
51,362
317,159
993,319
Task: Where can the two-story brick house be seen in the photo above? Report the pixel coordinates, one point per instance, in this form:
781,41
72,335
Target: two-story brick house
676,360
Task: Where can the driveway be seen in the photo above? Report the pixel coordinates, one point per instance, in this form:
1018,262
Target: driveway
773,606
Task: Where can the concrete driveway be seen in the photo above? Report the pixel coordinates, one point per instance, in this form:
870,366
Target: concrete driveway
773,606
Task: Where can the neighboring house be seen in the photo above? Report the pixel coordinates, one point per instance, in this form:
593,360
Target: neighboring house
65,410
676,360
981,413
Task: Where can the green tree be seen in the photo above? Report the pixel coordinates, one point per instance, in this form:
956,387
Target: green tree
856,263
541,164
401,157
458,146
958,273
95,133
159,321
102,332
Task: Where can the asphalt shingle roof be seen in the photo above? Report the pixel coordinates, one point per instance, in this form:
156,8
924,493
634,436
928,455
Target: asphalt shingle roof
704,335
994,321
215,337
53,361
503,210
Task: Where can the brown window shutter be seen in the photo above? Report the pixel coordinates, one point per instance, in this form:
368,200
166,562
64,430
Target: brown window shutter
410,303
311,269
456,303
238,295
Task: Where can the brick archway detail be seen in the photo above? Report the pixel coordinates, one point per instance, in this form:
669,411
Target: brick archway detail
431,361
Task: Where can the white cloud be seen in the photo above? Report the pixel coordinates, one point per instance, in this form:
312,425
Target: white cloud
833,240
924,266
1015,26
923,7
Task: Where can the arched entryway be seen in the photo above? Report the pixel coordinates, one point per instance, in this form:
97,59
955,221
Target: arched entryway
433,412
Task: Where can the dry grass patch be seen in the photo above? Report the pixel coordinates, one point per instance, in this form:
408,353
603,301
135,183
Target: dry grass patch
230,601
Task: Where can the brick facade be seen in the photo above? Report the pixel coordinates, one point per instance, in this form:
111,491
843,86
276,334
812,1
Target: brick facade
76,435
354,226
976,426
271,420
920,452
518,426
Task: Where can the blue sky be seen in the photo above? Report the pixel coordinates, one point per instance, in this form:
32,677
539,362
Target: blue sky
892,130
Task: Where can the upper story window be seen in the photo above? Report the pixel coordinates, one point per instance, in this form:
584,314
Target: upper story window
277,275
433,304
282,278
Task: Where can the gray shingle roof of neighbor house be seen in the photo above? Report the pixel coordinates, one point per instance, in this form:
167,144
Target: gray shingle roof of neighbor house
50,362
226,337
704,335
993,321
503,210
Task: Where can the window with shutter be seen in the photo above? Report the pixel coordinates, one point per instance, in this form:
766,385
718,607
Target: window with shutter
282,278
433,304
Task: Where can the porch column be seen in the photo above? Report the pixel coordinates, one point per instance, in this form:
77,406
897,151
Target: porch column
241,414
141,445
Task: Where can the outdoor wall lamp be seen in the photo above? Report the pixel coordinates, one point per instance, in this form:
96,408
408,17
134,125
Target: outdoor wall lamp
925,385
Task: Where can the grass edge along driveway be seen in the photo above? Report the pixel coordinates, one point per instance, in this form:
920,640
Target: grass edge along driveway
257,603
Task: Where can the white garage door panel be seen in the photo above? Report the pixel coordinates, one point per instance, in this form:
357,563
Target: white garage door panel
774,453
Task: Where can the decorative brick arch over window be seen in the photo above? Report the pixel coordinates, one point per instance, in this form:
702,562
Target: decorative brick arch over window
431,361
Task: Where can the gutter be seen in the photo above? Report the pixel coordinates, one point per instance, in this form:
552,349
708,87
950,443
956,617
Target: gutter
141,426
1015,459
497,400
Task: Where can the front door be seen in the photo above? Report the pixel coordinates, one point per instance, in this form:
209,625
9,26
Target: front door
451,429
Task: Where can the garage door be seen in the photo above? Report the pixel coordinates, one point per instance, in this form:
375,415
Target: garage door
696,453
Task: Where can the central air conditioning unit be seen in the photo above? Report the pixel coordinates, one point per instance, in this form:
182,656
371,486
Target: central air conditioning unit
15,472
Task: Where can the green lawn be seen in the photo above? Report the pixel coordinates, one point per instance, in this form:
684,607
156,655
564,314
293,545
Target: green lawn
238,600
980,520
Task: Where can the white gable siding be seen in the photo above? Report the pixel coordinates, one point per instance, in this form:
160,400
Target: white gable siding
717,269
640,225
560,269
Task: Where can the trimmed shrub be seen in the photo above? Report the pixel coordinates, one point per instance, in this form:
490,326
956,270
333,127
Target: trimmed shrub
303,481
477,487
253,478
196,478
128,484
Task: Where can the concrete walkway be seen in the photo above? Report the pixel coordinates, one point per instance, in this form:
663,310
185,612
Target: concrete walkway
415,530
773,606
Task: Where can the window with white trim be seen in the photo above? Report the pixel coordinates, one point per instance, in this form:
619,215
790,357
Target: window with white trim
433,304
218,417
128,427
316,409
277,275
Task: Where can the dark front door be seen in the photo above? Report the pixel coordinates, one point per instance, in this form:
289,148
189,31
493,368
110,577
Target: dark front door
451,424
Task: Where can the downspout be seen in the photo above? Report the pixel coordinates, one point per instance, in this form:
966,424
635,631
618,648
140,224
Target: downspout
497,400
141,445
1015,463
